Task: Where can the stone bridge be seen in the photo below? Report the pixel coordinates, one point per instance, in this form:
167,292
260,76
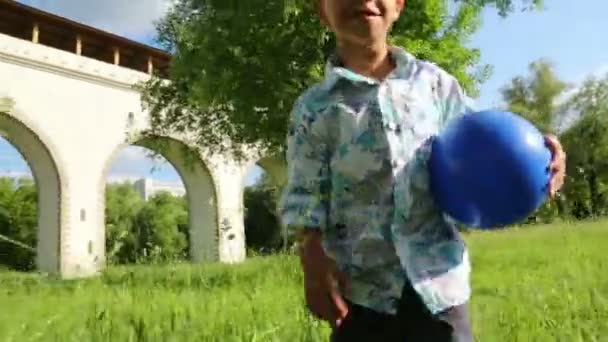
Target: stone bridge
69,106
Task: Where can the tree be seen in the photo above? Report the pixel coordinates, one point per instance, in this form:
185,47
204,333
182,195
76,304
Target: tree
18,222
587,144
142,232
262,228
238,66
123,203
536,96
540,98
161,229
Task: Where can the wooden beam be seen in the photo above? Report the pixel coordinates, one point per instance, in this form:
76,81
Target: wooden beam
116,56
150,65
35,33
78,45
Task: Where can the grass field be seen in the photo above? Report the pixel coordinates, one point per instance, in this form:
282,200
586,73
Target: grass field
538,284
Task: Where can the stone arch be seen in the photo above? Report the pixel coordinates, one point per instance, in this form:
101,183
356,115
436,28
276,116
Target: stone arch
47,174
200,192
274,165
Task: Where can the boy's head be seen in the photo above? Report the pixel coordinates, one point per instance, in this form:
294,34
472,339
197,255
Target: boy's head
360,22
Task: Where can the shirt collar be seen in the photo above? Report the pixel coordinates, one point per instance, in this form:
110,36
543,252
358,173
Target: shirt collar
334,70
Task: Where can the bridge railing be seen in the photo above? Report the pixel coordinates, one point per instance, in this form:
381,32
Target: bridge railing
39,27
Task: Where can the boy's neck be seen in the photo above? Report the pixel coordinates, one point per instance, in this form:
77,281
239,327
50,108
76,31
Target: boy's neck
372,61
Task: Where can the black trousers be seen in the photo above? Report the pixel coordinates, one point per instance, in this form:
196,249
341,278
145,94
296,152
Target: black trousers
413,322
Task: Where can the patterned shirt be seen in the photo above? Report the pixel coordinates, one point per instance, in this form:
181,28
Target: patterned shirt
357,152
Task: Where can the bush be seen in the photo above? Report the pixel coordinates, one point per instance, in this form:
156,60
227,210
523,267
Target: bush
145,232
18,221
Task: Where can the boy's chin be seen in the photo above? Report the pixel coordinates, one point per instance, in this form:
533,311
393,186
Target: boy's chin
366,38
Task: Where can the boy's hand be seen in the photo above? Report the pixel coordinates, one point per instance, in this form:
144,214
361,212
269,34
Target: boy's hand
323,283
558,164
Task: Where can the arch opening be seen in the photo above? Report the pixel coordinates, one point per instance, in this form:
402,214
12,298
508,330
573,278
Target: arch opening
30,200
262,186
160,204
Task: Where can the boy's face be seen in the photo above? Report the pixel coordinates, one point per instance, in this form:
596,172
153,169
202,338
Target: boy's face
360,21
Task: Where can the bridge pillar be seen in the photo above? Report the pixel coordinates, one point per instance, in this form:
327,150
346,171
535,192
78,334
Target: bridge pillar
231,234
45,163
83,238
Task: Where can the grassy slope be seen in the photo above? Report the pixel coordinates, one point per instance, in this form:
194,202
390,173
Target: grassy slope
540,284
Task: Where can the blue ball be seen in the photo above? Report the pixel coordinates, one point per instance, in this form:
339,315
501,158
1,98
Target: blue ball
489,169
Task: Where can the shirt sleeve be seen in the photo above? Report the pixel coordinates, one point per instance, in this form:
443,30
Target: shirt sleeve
453,100
426,241
305,199
453,103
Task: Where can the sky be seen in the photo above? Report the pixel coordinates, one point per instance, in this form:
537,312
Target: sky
569,33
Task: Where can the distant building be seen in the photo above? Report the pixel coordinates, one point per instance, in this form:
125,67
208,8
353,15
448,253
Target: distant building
147,188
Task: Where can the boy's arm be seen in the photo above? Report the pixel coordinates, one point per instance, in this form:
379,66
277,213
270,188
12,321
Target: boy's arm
304,202
304,208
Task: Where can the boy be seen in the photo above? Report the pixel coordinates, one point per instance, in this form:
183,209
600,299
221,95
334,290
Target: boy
380,261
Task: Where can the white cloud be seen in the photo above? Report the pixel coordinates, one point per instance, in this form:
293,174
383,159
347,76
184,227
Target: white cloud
578,82
601,71
133,19
598,72
134,162
130,18
136,154
16,174
141,155
176,184
569,118
117,178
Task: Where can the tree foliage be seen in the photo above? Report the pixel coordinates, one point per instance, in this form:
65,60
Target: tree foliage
536,95
586,142
137,231
18,221
238,66
263,231
540,97
123,203
145,231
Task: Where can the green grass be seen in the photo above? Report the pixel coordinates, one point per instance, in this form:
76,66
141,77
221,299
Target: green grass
538,284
